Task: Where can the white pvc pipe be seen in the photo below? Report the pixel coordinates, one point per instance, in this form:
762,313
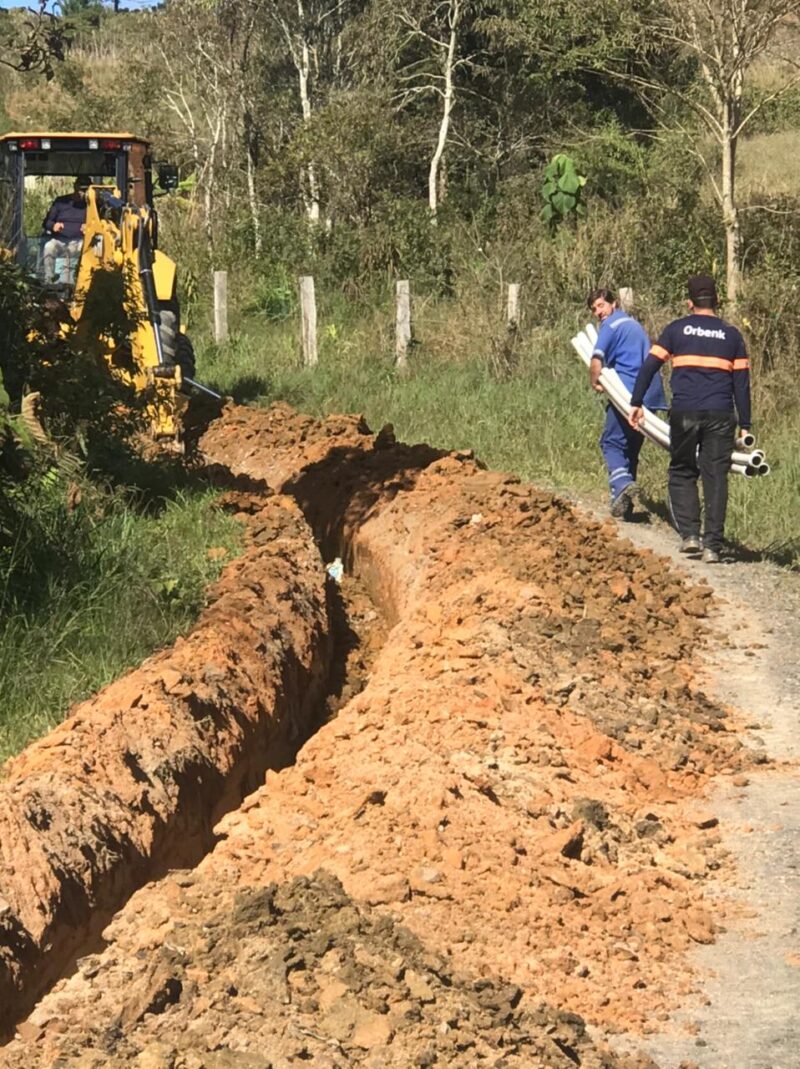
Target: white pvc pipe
755,458
746,440
750,471
583,347
654,428
763,468
613,386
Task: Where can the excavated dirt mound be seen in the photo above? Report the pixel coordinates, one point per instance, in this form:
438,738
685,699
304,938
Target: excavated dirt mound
515,780
517,783
135,779
281,976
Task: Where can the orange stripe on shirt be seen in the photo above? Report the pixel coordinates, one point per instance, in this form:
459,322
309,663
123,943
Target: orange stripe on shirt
659,352
718,363
741,364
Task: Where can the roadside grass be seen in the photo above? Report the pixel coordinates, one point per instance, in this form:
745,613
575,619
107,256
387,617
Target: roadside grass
536,424
91,593
541,422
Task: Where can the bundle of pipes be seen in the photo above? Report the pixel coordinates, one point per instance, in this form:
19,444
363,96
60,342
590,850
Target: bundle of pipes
745,460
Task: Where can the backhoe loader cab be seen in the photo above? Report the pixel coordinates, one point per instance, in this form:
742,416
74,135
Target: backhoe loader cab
118,287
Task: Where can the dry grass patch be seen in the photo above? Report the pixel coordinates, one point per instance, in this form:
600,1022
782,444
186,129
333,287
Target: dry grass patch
767,164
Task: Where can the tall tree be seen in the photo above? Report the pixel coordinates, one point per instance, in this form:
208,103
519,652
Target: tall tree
208,87
545,76
312,35
433,36
34,40
722,40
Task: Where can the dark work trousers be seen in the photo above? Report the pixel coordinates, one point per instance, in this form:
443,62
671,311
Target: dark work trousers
701,446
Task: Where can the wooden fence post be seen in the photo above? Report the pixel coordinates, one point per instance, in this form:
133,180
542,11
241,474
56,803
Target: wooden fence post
308,312
220,306
503,349
512,307
403,336
626,298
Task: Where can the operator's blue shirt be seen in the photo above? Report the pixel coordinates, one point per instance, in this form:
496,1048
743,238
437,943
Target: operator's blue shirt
622,343
71,213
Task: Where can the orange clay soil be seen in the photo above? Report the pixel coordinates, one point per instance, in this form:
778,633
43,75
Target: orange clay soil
518,784
134,780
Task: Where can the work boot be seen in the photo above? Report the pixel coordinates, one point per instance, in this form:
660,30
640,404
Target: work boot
710,556
690,544
623,504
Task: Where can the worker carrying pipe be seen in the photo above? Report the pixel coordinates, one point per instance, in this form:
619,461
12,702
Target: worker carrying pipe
710,388
745,460
622,344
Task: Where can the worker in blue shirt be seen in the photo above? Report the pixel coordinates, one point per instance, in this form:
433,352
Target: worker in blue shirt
622,343
710,388
63,229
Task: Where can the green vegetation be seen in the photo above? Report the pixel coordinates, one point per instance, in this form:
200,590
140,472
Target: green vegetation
103,557
561,190
91,585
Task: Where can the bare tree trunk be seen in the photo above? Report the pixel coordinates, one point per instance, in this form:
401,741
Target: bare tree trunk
312,206
303,71
443,180
252,160
730,217
258,244
225,183
207,213
448,98
725,38
731,126
209,176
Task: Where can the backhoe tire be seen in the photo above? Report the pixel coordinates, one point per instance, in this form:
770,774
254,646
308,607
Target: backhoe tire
175,346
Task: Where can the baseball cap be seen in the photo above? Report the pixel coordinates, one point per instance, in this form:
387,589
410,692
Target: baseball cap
83,181
702,287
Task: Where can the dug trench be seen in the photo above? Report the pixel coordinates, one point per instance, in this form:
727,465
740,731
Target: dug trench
506,818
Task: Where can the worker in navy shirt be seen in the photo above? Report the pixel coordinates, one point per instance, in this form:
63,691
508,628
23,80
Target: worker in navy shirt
63,227
710,388
622,343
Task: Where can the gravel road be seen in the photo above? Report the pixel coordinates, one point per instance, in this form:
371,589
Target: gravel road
751,991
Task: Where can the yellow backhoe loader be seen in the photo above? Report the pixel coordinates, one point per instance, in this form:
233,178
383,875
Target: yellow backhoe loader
117,286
